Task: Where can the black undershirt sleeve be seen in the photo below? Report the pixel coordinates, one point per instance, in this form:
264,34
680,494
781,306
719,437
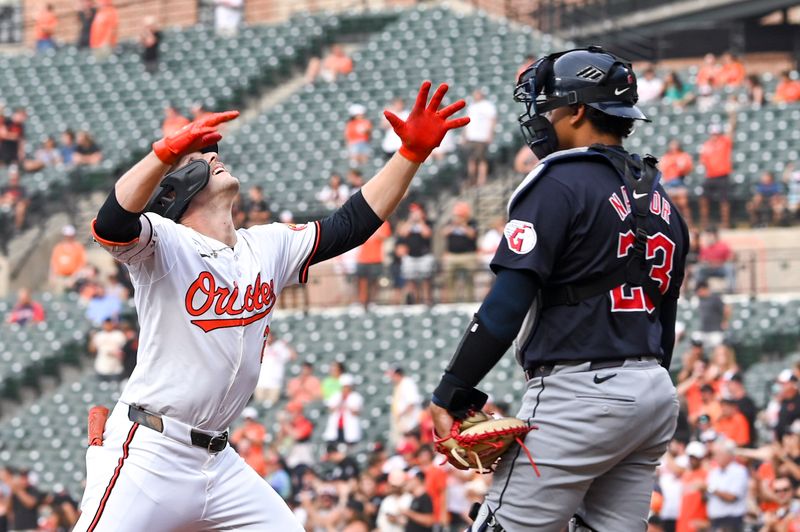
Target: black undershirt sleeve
115,224
348,227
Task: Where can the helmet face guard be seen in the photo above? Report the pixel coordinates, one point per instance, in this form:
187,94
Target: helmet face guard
541,90
176,190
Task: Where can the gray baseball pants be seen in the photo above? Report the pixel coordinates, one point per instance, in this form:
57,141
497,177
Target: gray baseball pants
600,436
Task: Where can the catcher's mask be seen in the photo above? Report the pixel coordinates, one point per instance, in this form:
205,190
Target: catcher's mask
590,76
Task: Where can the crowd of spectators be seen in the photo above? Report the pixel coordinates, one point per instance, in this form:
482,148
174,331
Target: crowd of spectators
17,160
23,507
730,466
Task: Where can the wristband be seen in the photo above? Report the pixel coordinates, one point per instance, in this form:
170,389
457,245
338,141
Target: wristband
457,398
413,156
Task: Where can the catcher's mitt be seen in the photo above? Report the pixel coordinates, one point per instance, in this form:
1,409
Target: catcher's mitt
478,440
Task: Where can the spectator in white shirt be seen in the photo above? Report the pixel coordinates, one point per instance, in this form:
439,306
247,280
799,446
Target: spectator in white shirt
228,16
406,405
344,422
490,241
106,344
674,462
275,355
727,490
649,87
478,134
448,145
334,194
391,142
390,513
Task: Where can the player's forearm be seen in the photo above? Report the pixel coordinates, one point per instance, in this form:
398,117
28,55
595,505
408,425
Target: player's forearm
385,191
134,188
486,340
667,316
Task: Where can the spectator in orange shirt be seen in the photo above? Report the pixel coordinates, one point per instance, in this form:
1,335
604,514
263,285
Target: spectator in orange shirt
357,134
709,405
103,35
173,120
675,166
732,424
693,516
67,259
369,264
708,74
336,64
435,482
304,388
732,72
46,23
716,156
788,89
254,434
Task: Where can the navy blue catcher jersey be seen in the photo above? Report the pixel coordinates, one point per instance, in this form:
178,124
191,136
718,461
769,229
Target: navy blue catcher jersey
570,222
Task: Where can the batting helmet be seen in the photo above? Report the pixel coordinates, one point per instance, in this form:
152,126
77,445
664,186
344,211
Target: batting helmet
177,189
590,76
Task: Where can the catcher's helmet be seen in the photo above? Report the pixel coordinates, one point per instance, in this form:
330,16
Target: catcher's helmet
590,76
177,189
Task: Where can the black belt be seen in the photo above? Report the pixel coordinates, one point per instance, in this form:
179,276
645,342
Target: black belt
212,444
546,369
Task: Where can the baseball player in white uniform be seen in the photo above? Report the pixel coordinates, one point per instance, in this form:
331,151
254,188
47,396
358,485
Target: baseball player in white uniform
204,293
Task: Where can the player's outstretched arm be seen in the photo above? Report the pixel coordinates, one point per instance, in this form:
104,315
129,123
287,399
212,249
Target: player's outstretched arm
118,218
137,185
362,215
420,133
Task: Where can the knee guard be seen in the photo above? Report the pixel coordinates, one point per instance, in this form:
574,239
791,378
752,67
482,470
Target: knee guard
483,520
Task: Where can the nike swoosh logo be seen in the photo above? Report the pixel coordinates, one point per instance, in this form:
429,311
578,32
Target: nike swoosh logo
637,196
618,92
601,380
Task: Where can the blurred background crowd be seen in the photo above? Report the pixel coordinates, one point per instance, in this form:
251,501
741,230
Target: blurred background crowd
338,423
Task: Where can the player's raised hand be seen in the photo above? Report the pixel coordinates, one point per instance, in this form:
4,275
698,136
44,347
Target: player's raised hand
192,137
426,125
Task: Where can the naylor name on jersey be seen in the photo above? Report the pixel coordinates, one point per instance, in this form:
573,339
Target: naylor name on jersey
658,205
203,294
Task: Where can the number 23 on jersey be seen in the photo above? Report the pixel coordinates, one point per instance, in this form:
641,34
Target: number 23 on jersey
626,298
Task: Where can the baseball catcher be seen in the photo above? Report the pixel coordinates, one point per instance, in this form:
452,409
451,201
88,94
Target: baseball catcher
587,282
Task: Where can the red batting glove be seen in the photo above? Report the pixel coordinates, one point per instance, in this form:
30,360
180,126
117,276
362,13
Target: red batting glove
425,127
192,137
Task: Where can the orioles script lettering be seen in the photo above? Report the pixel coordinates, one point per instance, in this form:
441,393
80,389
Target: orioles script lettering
259,297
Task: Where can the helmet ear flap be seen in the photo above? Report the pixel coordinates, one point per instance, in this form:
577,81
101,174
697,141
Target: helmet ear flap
176,190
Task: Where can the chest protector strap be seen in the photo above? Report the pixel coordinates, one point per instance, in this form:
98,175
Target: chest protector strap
634,270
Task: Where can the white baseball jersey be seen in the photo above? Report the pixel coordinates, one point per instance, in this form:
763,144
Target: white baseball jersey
204,312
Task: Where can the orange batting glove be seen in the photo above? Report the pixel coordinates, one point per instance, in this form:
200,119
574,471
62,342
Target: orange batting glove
192,137
425,127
